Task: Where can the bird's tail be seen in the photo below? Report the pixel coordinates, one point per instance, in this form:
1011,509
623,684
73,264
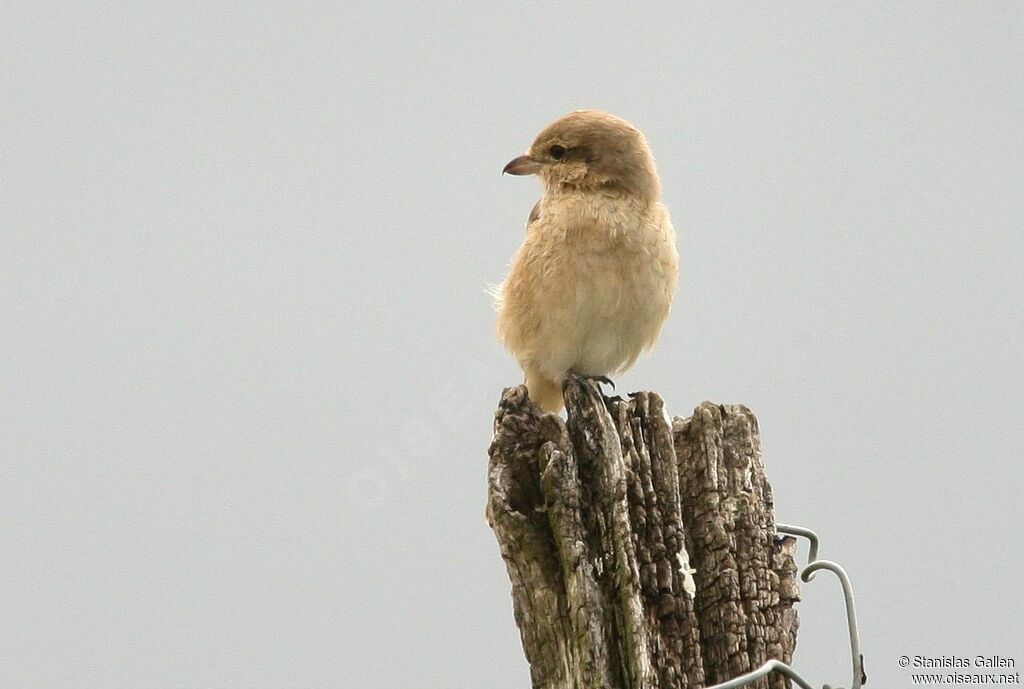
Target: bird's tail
546,393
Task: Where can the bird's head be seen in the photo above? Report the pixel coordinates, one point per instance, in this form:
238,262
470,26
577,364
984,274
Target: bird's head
590,150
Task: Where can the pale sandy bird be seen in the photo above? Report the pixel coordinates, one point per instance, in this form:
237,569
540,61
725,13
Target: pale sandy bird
591,286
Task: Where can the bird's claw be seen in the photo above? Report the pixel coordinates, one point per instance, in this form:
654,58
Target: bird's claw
582,377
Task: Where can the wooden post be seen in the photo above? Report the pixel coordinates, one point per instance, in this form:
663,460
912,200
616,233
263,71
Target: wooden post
642,551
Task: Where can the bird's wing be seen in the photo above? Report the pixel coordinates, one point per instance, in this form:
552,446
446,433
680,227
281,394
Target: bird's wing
534,214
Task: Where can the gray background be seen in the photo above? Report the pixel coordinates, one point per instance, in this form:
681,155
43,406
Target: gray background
249,366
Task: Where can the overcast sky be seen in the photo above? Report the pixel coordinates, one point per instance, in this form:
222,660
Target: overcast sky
249,366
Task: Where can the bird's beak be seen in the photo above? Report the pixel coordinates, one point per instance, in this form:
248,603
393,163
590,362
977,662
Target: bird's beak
523,165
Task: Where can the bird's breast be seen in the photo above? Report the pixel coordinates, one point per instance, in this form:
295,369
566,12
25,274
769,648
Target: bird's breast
590,286
594,223
611,259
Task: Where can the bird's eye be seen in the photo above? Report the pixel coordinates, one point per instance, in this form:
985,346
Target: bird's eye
557,152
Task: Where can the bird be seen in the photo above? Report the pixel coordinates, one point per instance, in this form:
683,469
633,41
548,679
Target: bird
592,283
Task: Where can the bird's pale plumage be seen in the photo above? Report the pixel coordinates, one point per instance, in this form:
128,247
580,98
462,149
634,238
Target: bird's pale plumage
591,286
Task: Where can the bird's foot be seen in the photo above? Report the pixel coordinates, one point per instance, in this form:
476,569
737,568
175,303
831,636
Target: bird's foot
583,377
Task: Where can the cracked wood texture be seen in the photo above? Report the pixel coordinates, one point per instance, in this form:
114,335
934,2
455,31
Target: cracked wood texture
642,551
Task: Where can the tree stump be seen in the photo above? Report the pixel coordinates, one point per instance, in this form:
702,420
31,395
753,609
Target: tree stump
642,551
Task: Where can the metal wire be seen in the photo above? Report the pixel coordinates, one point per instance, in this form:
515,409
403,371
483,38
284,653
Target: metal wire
763,671
813,565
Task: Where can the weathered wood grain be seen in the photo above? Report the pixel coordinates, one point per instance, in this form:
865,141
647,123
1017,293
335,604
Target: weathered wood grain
642,551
